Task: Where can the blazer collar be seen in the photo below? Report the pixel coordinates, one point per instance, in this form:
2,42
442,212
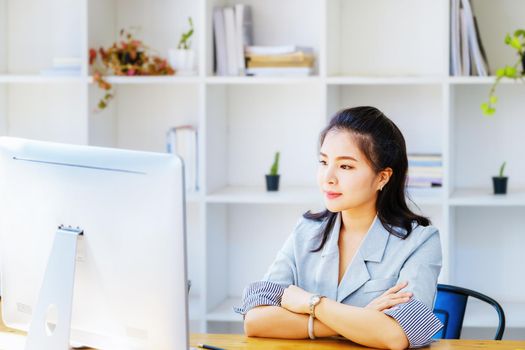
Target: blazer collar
373,246
372,249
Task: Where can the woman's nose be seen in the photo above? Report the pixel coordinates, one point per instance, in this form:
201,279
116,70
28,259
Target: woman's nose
330,177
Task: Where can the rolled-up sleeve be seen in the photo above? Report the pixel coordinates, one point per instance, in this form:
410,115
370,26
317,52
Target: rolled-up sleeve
281,274
421,270
258,294
417,321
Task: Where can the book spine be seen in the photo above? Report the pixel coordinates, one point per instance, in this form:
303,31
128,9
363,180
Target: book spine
229,24
219,41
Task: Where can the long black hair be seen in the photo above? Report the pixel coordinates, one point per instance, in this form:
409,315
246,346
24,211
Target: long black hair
382,143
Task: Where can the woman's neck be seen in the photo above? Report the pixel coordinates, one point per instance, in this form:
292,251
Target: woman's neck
357,221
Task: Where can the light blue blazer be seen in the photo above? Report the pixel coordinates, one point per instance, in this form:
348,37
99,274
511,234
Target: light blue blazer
381,261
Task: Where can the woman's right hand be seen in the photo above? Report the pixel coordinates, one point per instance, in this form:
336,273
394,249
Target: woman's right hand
390,298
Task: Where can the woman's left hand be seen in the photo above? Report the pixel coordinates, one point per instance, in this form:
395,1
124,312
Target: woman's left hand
296,299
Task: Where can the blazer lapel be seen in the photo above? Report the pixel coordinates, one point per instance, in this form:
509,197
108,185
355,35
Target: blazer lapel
372,249
328,268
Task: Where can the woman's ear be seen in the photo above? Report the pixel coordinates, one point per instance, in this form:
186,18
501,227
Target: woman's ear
384,177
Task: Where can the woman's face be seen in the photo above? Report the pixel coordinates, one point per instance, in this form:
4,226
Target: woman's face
345,177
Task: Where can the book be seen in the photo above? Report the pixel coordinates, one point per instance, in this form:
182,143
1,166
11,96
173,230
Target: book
427,157
422,163
219,36
231,41
455,48
280,71
465,56
473,41
481,48
244,34
425,170
298,56
257,64
276,50
424,184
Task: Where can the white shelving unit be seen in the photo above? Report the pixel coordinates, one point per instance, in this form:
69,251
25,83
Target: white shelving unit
393,55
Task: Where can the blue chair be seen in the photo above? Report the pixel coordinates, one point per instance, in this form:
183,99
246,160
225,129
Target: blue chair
450,305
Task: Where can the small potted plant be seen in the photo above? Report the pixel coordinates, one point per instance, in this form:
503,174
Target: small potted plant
272,179
182,58
517,42
500,182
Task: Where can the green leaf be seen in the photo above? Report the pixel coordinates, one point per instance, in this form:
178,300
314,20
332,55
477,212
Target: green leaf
493,100
510,72
500,72
502,168
485,108
515,43
520,32
274,170
507,39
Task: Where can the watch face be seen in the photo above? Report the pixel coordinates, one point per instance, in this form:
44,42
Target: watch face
315,299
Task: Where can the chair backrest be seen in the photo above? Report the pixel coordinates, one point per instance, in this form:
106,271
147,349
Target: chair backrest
450,305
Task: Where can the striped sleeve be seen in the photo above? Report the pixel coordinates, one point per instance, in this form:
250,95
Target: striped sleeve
260,293
417,320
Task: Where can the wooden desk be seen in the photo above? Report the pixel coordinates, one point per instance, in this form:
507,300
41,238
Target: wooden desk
238,342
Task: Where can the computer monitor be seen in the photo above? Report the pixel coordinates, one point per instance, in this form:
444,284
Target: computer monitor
130,284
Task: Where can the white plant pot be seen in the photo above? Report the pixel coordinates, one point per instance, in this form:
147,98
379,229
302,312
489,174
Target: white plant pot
183,61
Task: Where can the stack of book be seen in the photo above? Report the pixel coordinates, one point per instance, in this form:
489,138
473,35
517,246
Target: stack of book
232,32
288,60
425,170
467,55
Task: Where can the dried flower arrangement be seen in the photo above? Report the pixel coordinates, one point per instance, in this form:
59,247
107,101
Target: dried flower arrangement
129,57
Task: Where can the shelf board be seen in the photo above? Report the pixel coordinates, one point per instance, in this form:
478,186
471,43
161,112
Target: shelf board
40,79
219,80
224,311
467,80
258,194
480,314
367,80
485,197
161,79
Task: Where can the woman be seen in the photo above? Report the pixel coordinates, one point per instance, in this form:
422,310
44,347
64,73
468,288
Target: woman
366,268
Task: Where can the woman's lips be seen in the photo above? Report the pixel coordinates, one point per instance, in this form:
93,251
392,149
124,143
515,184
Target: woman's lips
332,195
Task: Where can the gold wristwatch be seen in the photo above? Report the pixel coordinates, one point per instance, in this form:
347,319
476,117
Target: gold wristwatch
314,301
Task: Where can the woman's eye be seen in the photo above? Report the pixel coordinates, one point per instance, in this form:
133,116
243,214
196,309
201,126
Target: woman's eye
322,162
346,167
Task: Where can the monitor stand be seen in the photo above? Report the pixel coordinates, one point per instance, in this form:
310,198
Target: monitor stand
56,295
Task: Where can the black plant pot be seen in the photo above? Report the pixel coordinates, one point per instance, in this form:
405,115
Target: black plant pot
500,184
272,182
